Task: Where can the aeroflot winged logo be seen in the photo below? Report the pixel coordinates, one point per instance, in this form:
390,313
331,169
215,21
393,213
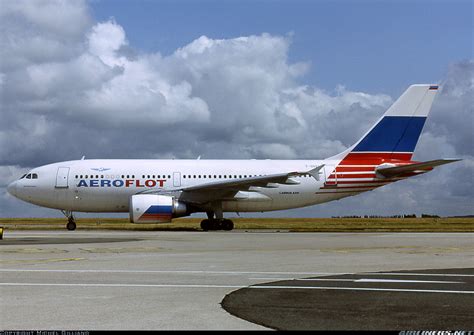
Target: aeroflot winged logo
101,169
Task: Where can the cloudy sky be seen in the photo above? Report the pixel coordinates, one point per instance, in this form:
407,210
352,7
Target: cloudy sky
236,80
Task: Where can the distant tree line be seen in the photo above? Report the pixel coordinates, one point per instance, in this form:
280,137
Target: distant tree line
399,216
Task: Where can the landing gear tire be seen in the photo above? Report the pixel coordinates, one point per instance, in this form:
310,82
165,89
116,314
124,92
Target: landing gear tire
217,224
71,225
205,225
227,224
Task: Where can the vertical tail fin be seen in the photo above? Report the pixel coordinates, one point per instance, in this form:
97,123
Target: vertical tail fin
396,133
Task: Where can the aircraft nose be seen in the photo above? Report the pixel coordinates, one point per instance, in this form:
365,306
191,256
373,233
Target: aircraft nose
11,188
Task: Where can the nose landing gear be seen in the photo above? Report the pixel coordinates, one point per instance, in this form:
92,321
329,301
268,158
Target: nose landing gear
71,223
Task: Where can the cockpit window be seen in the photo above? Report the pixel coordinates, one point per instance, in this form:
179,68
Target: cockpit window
28,176
23,176
34,176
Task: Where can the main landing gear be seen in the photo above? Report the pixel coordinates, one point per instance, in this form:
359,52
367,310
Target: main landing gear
71,223
215,221
217,224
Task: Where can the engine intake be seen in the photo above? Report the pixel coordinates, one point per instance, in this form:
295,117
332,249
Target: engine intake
153,208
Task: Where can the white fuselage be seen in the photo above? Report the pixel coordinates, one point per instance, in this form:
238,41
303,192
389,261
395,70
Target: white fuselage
158,190
107,185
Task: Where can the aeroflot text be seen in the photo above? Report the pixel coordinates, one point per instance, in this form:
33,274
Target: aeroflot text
121,183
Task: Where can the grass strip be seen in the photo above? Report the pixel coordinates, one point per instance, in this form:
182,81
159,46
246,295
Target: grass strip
465,224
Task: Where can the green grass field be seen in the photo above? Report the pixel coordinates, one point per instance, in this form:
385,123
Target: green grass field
286,224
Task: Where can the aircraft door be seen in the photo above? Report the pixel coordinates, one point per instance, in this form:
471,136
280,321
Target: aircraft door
62,177
177,179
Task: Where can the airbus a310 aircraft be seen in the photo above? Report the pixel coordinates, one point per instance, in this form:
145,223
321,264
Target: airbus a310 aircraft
155,191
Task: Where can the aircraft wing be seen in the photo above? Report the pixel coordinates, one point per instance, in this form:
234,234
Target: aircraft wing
422,167
246,183
227,189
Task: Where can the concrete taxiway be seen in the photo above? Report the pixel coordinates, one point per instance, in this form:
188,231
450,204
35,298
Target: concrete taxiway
177,280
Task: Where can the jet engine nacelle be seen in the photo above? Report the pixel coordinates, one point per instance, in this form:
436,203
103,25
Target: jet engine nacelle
153,208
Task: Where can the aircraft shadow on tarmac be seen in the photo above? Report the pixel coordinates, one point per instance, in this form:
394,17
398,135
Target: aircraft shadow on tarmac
403,300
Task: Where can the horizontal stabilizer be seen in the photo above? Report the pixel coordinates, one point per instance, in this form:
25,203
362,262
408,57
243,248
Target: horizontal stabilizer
316,171
421,167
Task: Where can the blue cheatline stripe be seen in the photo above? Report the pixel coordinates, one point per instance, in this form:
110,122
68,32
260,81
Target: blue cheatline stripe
393,134
159,210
